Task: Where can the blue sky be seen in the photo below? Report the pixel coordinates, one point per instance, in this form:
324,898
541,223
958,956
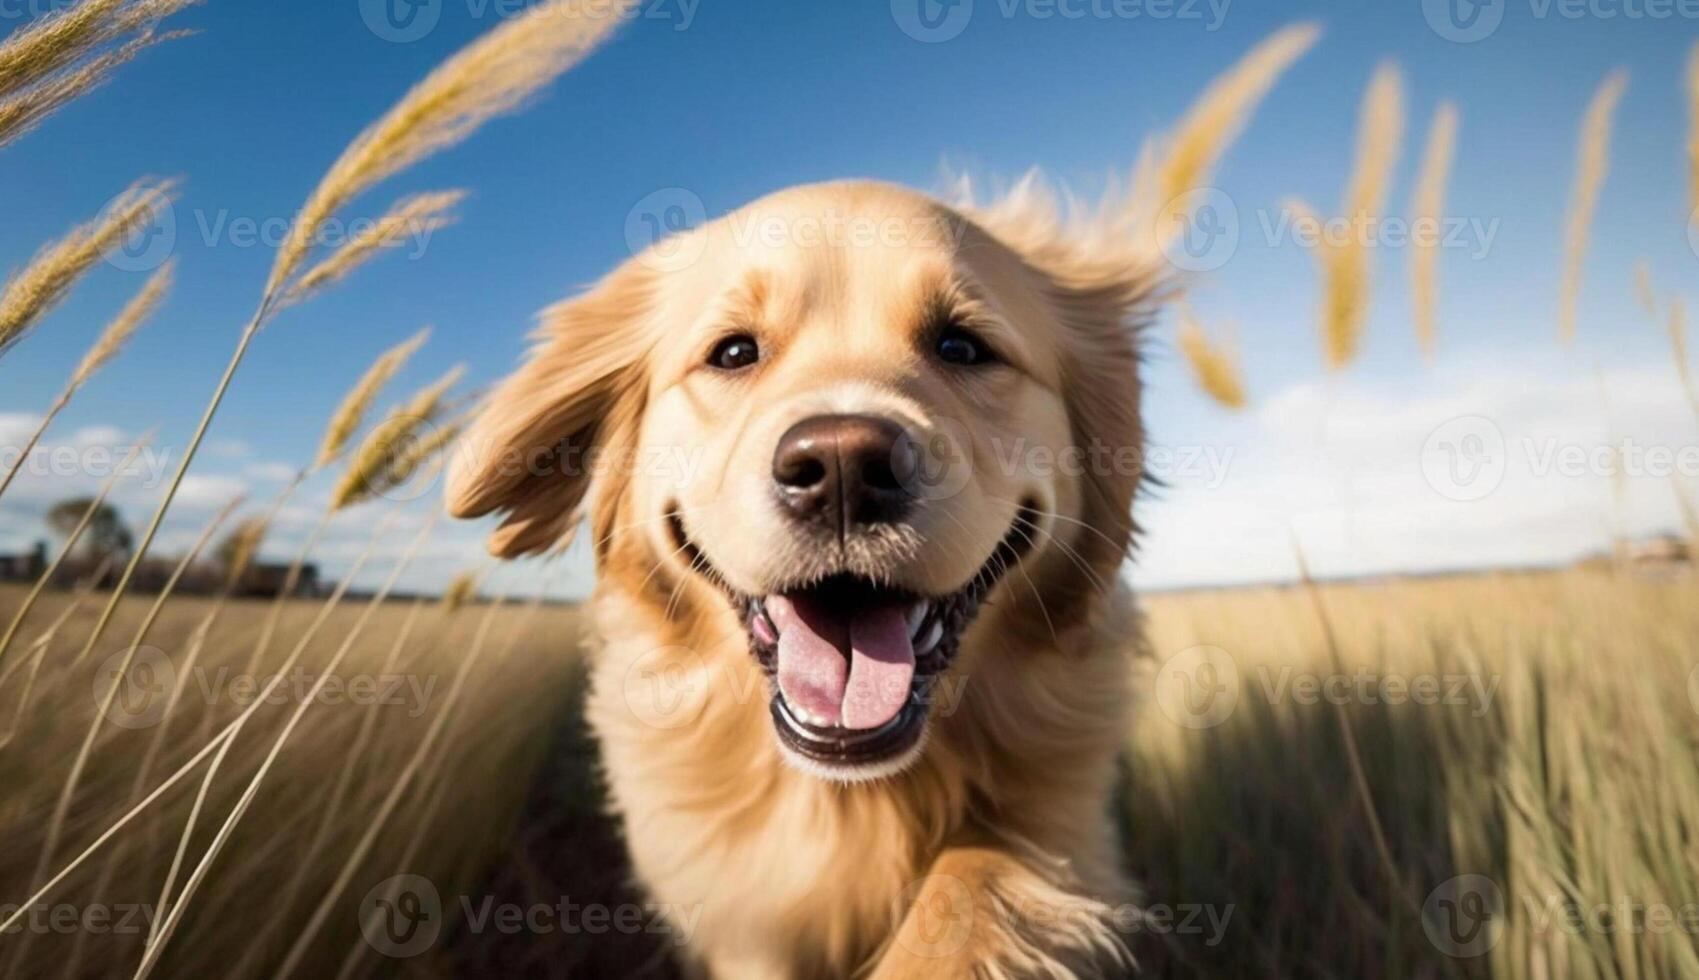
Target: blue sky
728,101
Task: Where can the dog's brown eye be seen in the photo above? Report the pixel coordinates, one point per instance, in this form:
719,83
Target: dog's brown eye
735,353
957,346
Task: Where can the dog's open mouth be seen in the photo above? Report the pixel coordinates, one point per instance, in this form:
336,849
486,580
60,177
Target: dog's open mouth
854,663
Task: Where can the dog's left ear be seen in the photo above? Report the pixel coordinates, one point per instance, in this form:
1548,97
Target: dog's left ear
530,455
1104,320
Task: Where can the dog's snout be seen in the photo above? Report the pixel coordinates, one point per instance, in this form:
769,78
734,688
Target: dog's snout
844,471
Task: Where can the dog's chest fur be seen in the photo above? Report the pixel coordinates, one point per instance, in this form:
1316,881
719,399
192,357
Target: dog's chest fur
786,874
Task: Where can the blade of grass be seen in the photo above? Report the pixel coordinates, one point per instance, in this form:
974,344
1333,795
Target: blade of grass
260,700
376,824
177,907
76,534
116,335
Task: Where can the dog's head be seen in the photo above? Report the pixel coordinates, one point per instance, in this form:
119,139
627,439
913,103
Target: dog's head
851,417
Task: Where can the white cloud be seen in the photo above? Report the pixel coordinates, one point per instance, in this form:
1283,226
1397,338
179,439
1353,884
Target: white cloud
208,492
228,448
15,427
269,472
1359,476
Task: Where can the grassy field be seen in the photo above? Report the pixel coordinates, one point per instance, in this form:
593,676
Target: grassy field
1472,777
356,741
1529,809
1523,803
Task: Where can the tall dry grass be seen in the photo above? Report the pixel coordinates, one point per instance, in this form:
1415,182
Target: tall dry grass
350,414
1256,811
1689,515
1187,158
1428,207
107,347
416,216
423,756
493,75
179,902
72,33
345,423
70,52
1346,269
264,849
1676,327
1592,164
1560,771
397,445
51,572
1692,93
1214,363
45,282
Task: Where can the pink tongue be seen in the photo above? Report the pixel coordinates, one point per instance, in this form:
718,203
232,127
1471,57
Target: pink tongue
865,690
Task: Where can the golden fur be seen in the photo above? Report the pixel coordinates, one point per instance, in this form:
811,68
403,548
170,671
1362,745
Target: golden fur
989,853
1009,799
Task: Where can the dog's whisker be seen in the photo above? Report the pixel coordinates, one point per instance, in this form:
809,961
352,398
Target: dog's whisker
1021,566
1056,516
604,539
1079,562
1067,550
658,565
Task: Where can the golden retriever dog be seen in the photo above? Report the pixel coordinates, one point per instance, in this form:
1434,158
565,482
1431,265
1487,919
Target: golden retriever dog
859,467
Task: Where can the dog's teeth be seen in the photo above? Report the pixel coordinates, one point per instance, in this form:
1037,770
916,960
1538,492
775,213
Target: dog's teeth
917,617
808,717
931,639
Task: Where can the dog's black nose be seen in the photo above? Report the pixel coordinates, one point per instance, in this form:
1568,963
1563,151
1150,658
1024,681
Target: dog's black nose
845,471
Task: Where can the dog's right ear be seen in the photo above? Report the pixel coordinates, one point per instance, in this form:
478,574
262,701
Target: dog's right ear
530,453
